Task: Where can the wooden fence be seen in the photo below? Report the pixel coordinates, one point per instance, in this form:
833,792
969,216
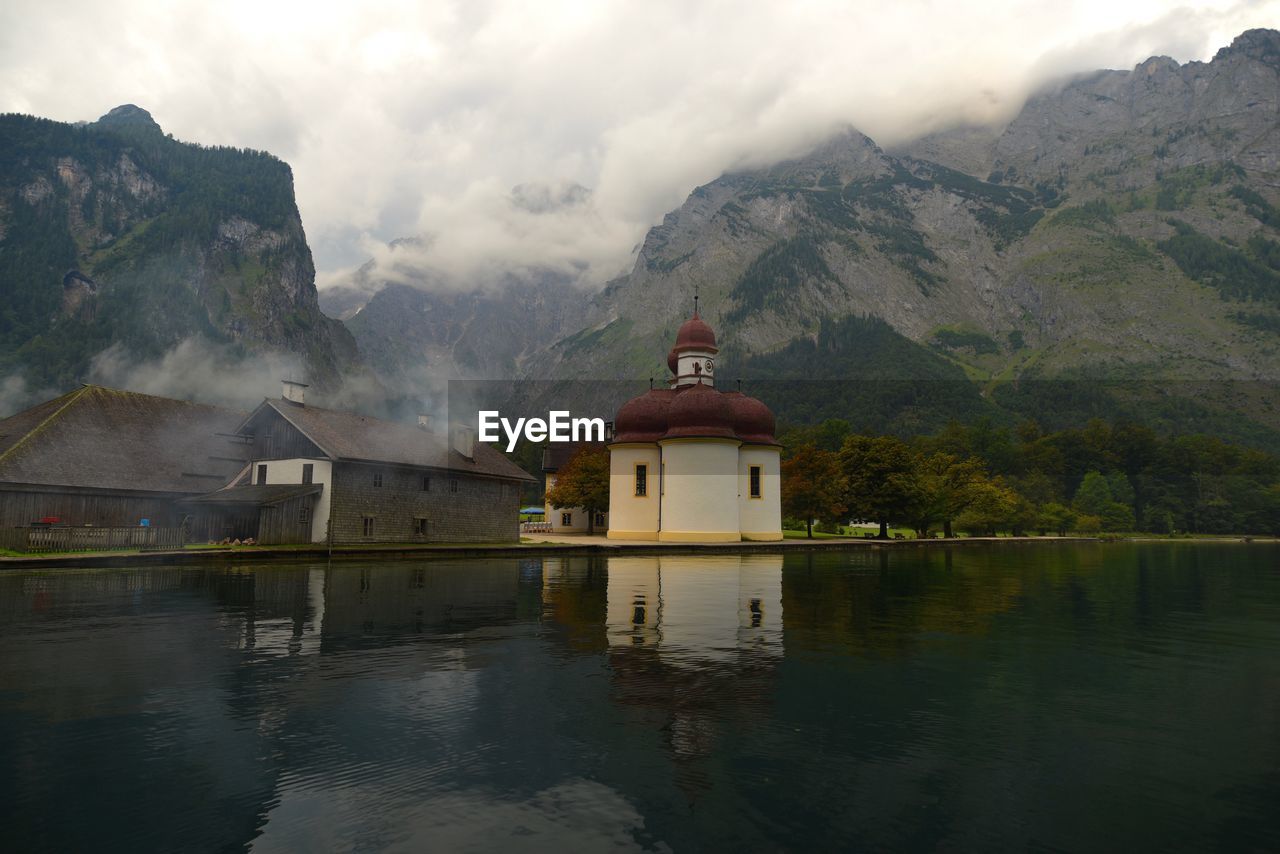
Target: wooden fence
89,539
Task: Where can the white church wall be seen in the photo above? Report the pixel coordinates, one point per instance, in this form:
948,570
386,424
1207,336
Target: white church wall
760,518
631,516
700,490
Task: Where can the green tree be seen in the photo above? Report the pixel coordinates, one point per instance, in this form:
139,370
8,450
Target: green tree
1095,499
941,487
583,482
811,486
1093,495
876,475
1057,518
991,505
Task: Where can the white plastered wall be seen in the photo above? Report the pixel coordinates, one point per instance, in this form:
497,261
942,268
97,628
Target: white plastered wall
631,516
760,518
700,490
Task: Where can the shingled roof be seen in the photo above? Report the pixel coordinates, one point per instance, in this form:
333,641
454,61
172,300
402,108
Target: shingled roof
351,436
104,438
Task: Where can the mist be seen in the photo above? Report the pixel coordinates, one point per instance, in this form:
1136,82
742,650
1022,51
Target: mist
513,136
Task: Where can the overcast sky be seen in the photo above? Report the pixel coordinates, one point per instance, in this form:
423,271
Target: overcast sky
417,118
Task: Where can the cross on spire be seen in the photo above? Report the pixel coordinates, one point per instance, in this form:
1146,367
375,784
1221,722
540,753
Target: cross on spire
695,299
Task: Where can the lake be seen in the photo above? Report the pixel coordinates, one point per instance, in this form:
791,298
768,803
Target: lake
1006,697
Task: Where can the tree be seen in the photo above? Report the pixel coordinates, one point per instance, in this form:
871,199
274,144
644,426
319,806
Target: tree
811,486
1093,495
992,504
1057,518
583,482
941,487
1095,499
876,473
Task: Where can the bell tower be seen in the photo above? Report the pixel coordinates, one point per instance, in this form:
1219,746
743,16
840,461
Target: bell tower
693,358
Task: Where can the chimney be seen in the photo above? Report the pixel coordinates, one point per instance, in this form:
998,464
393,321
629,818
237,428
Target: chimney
424,421
294,392
464,440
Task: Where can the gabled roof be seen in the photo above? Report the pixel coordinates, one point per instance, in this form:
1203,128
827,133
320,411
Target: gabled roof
104,438
361,438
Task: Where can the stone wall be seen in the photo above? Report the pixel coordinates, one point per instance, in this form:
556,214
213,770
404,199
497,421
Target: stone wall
480,510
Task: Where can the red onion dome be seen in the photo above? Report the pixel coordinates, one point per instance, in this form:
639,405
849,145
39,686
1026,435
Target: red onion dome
673,361
643,418
699,410
752,420
695,334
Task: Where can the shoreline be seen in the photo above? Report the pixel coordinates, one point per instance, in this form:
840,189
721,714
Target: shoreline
560,547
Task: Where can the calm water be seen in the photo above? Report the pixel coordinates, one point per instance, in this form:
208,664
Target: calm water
1047,697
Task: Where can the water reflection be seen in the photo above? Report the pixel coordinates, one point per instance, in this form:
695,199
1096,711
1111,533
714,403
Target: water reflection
919,699
696,610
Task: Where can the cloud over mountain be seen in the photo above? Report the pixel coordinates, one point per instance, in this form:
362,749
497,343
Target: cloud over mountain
406,118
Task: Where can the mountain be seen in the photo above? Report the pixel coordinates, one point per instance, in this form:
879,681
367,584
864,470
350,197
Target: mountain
1122,228
413,323
113,234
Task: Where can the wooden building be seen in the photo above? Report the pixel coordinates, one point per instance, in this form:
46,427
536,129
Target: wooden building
327,476
104,457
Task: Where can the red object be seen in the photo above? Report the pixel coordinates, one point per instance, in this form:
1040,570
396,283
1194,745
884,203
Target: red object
695,334
643,418
694,409
699,410
752,420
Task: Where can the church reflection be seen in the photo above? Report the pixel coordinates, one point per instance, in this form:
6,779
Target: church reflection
696,610
689,639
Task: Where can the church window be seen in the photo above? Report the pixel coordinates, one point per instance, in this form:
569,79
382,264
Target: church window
754,478
642,479
566,519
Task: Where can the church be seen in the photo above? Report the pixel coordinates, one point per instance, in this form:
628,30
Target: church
690,463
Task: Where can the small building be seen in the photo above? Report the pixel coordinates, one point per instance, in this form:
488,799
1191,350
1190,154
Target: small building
691,463
320,475
110,458
567,520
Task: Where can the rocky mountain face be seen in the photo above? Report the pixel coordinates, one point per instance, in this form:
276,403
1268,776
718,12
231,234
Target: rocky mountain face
1123,225
114,234
418,328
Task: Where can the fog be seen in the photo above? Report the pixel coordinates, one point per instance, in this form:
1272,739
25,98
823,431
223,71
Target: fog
419,118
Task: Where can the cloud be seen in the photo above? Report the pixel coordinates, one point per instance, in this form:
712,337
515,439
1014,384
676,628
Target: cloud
196,370
16,395
200,370
419,118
